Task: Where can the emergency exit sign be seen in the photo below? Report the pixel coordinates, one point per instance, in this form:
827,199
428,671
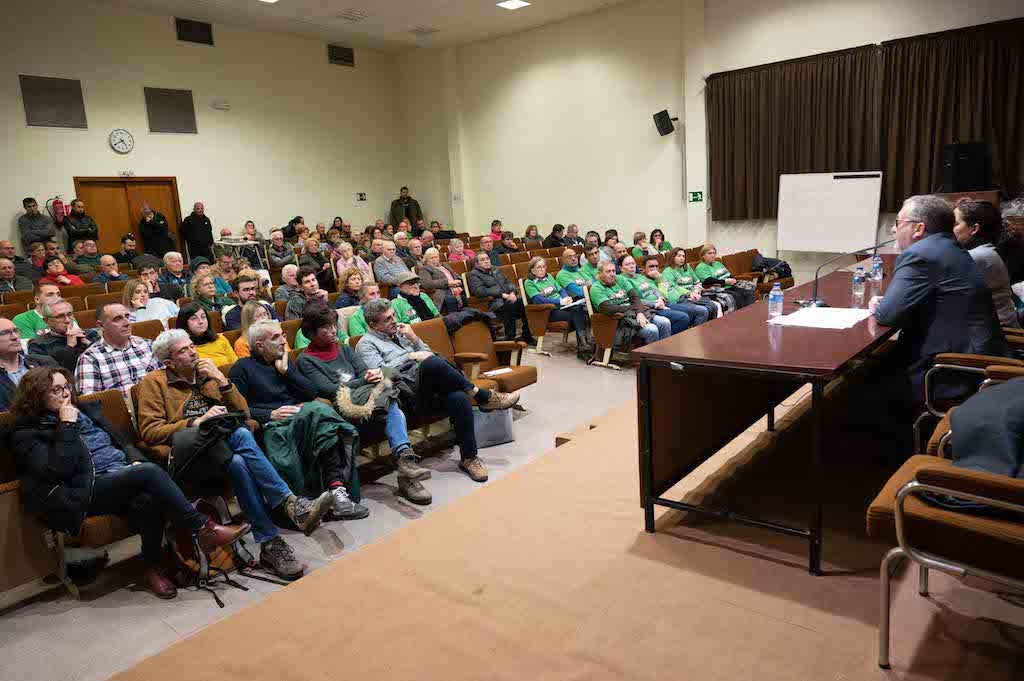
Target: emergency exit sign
696,197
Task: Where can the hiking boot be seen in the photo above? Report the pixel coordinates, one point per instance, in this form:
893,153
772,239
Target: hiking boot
408,466
414,491
277,557
211,535
499,401
305,513
343,508
474,468
159,583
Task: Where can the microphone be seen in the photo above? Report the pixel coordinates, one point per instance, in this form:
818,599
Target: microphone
814,301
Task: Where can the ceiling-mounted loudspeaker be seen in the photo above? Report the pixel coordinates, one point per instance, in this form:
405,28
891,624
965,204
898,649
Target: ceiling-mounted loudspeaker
663,121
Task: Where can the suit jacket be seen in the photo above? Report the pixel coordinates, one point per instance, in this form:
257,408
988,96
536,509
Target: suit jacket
939,301
988,430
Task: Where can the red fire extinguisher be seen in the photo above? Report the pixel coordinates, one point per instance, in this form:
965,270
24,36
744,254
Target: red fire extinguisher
57,209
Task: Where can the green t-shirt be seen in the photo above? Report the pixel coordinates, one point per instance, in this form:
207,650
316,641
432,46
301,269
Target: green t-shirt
357,324
665,246
405,313
643,286
683,278
716,270
670,291
589,271
567,277
30,324
547,287
618,293
301,341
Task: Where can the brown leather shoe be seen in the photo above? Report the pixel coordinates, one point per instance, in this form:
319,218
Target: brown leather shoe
159,583
474,468
212,535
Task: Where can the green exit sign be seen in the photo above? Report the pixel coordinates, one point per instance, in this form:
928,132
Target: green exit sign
696,197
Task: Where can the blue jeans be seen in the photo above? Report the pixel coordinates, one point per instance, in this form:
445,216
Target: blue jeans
256,483
678,321
396,428
657,328
698,313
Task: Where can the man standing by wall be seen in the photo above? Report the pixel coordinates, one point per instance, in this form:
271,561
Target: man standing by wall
405,208
156,234
80,226
34,225
197,233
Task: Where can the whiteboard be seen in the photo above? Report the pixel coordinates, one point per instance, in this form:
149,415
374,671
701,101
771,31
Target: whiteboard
828,212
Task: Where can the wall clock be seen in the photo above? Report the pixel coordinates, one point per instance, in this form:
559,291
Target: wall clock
121,141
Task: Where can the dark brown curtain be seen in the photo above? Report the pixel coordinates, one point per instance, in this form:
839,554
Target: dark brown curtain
808,115
965,85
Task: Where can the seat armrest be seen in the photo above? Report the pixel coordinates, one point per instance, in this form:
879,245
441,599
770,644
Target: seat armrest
961,360
965,481
539,306
508,346
469,358
10,487
750,276
1003,372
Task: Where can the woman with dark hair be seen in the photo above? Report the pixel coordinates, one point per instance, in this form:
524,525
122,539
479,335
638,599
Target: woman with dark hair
209,344
531,239
359,393
73,464
658,240
978,228
255,255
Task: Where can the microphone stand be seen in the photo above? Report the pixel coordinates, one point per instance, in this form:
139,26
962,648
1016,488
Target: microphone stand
814,301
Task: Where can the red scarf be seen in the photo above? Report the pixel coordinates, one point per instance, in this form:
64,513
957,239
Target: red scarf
324,354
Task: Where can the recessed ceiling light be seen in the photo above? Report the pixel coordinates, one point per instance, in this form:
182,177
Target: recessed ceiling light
269,2
513,4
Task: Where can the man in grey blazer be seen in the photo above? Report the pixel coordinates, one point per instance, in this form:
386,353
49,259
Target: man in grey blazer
937,297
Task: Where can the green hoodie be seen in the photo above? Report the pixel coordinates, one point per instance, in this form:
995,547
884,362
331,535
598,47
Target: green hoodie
405,313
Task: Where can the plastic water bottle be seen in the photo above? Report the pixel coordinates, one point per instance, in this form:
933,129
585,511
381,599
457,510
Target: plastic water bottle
775,300
876,268
858,282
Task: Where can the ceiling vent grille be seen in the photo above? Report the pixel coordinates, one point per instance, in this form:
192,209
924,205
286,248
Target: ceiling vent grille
353,15
423,31
341,56
190,31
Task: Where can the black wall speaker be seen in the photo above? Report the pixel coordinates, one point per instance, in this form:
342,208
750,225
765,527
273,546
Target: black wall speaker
663,121
966,167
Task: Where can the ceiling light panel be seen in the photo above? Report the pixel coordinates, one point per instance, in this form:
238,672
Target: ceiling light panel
513,4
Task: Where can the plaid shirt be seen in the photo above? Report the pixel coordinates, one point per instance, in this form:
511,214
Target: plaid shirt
104,367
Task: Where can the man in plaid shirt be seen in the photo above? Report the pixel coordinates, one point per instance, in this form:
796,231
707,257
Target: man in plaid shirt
119,360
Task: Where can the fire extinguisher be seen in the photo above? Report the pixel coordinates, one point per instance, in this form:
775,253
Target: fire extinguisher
57,209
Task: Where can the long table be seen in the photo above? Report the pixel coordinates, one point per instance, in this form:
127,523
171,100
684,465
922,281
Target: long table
699,389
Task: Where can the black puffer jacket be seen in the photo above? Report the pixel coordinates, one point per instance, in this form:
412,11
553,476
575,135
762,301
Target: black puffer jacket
488,283
56,470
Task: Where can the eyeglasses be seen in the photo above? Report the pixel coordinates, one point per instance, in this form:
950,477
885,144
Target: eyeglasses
59,390
8,333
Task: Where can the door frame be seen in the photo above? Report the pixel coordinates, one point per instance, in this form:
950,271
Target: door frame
79,181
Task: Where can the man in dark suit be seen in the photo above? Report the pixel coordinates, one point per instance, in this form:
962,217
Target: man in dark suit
937,297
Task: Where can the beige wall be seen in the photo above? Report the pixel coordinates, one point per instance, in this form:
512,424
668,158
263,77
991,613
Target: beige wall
302,136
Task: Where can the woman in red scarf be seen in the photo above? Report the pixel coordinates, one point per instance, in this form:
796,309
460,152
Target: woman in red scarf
56,274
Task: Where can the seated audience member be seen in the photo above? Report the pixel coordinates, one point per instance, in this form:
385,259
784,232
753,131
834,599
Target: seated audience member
31,323
289,283
309,291
318,261
419,228
71,263
658,241
357,325
127,252
532,239
496,231
108,271
543,289
34,225
156,234
556,238
78,225
257,254
458,251
204,293
679,274
937,297
339,225
412,305
978,227
359,394
388,266
376,250
311,446
264,291
593,257
415,257
56,274
641,248
487,282
175,272
680,287
611,238
151,277
1011,241
402,244
142,306
650,295
572,237
65,341
611,296
507,245
988,431
395,346
117,361
346,258
280,253
225,270
487,247
22,266
11,281
90,255
301,234
14,363
351,280
442,284
427,240
291,230
73,464
246,290
175,401
321,232
252,312
437,227
209,344
37,256
619,251
712,272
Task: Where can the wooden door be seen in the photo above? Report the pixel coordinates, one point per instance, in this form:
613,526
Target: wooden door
107,203
159,194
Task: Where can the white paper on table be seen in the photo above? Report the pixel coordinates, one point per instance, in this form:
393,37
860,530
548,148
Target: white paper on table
823,317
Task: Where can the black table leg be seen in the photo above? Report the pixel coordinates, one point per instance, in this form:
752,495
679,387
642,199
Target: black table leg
817,479
646,447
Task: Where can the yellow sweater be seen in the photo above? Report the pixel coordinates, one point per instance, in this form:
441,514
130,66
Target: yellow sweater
242,347
219,351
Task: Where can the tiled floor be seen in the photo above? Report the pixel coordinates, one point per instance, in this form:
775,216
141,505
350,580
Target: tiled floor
115,624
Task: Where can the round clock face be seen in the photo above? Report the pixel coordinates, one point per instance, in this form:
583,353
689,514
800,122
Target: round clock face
121,141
